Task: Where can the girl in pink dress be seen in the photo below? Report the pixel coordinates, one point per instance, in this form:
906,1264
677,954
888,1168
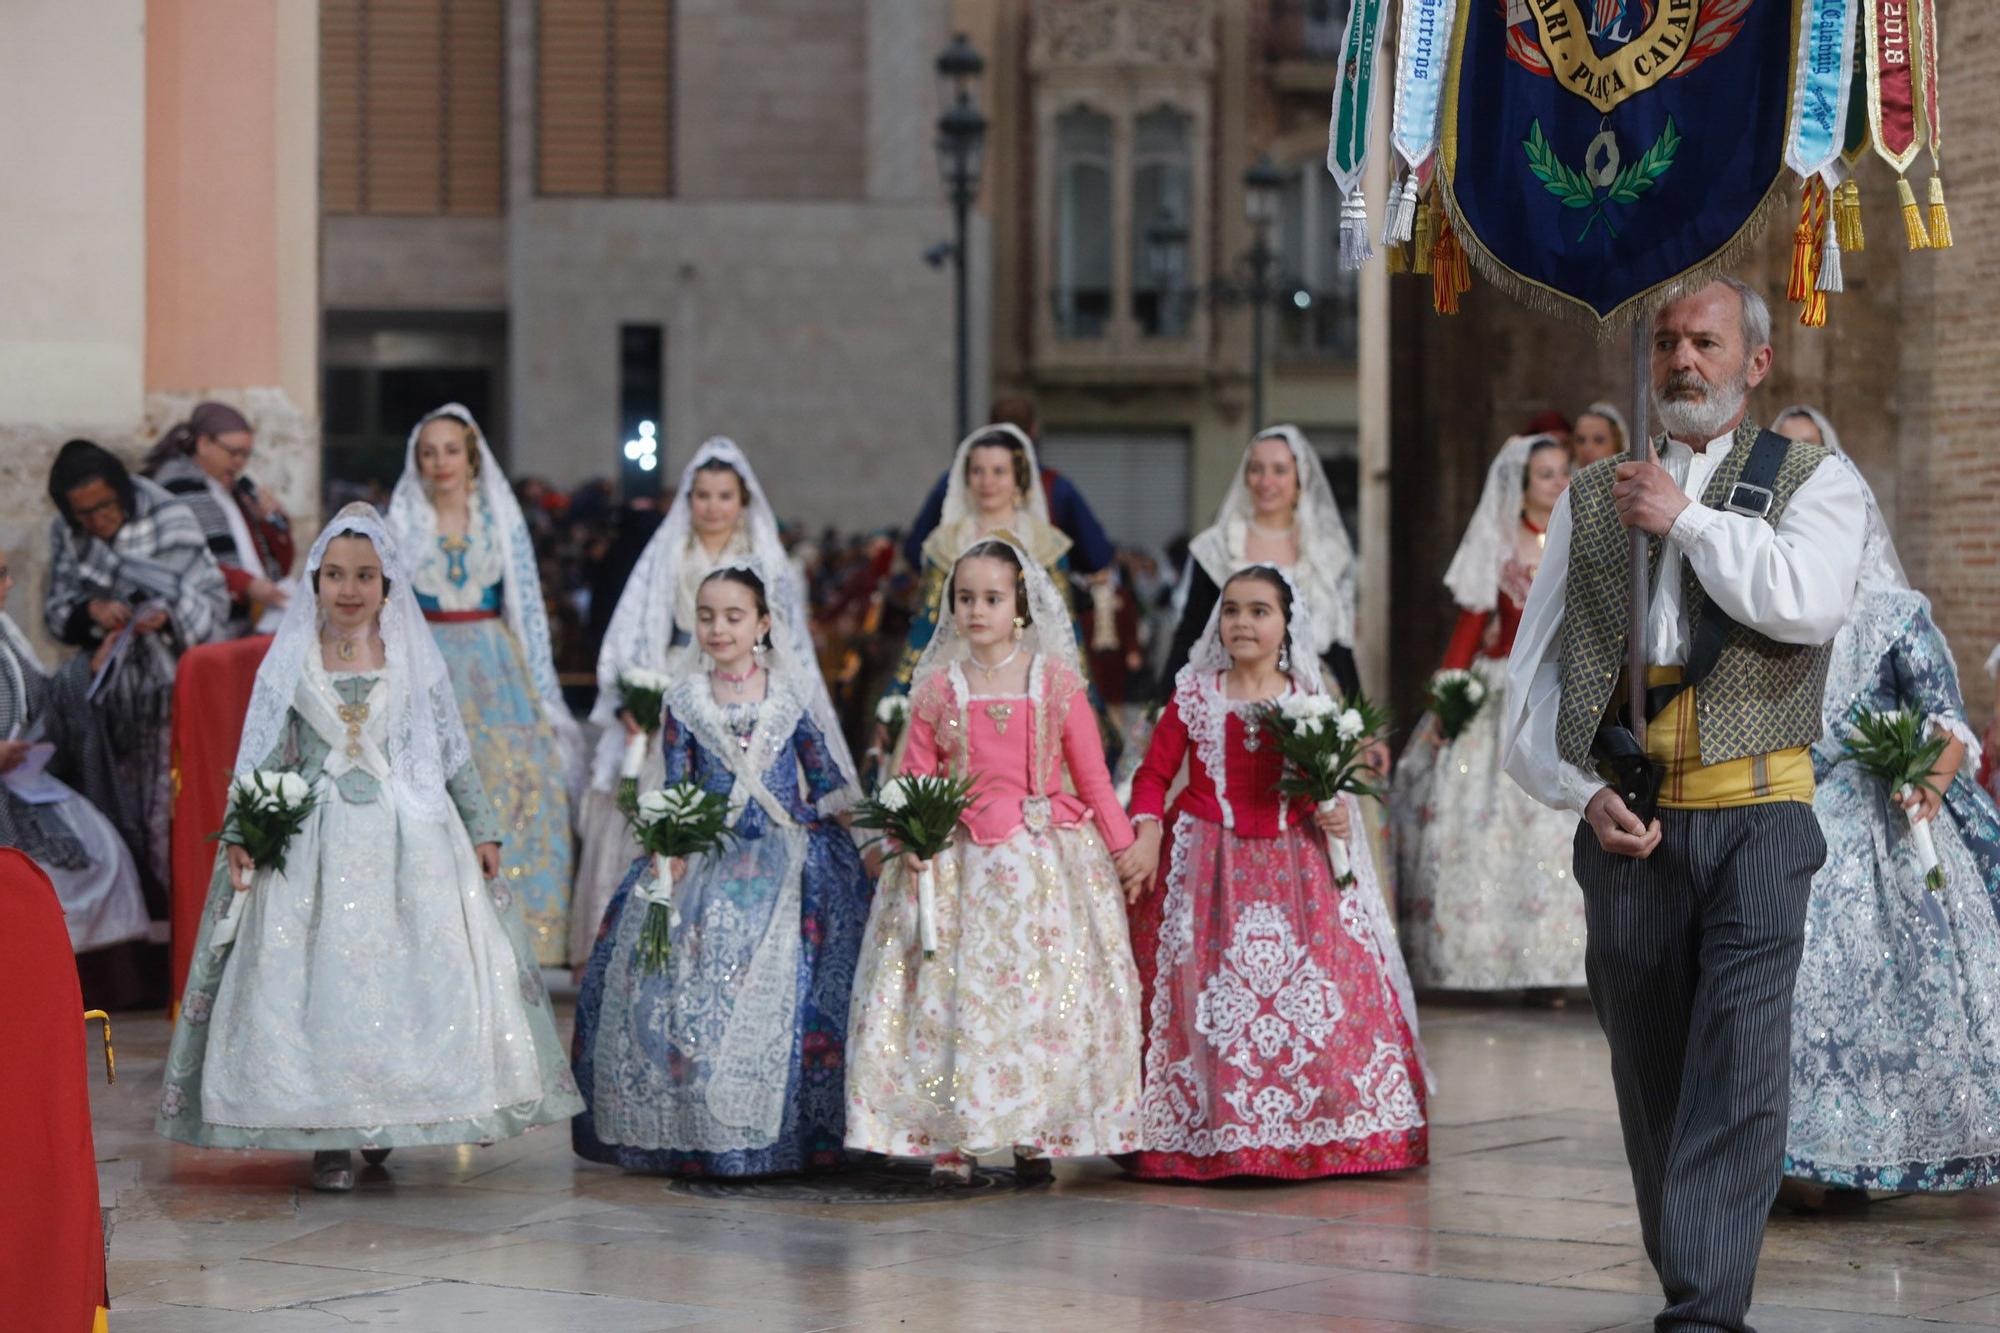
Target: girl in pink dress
1022,1031
1281,1039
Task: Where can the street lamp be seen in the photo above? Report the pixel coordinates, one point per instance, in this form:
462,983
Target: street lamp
961,140
1262,185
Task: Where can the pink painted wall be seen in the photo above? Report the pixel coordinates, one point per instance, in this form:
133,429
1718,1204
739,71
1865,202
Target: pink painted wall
212,215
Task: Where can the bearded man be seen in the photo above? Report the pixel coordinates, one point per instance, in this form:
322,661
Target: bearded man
1695,913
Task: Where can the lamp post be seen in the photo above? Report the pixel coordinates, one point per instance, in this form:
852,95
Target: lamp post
961,142
1262,184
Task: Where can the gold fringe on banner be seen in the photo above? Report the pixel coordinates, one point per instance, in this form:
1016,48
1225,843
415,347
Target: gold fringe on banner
1940,220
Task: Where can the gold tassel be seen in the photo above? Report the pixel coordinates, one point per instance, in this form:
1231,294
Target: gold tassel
1940,220
1799,286
1451,272
1396,259
1420,252
1856,239
1913,217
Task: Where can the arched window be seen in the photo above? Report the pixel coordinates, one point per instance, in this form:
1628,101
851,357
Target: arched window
1162,193
1083,223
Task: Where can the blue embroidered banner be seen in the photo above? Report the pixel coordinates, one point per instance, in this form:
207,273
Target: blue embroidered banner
1596,150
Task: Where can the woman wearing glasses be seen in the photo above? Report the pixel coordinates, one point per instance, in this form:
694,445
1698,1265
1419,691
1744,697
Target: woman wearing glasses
201,463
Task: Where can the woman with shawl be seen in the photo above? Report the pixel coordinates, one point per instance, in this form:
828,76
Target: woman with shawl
1021,1031
719,516
1279,511
132,582
995,489
474,573
380,990
1485,891
1281,1038
201,463
1896,1012
48,733
730,1061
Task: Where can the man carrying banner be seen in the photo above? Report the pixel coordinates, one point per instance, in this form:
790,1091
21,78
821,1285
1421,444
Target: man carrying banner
1695,914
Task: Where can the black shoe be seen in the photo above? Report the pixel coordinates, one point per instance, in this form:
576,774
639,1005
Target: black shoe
333,1171
1030,1171
374,1156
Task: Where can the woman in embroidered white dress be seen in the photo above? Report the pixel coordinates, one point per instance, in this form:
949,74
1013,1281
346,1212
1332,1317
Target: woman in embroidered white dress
719,516
1281,1039
1279,511
1485,892
1022,1030
380,990
476,578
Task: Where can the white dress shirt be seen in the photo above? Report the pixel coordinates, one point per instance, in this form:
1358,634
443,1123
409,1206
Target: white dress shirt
1792,583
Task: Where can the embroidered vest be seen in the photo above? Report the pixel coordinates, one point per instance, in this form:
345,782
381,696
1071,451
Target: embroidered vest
1762,696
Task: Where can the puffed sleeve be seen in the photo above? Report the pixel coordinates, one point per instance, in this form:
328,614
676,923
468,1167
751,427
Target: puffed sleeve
468,794
1465,640
1162,765
1083,751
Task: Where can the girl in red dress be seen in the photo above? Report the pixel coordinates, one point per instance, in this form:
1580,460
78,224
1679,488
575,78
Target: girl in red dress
1281,1039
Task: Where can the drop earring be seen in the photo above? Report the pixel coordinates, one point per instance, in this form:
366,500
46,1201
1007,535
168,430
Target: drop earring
1285,658
1020,627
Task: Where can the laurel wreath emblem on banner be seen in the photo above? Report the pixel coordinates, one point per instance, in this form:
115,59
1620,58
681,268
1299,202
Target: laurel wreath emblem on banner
1601,172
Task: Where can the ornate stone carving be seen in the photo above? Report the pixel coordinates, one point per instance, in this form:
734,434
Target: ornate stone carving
1098,33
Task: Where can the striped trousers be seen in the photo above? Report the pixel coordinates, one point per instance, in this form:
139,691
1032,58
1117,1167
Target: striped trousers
1691,958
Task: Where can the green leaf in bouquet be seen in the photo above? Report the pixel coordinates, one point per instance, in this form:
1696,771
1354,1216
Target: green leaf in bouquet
1891,747
920,813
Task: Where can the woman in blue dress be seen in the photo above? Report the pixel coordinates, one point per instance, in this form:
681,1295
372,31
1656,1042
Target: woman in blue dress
475,576
1896,1012
731,1061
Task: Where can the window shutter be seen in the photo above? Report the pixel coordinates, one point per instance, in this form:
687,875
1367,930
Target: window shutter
412,106
604,97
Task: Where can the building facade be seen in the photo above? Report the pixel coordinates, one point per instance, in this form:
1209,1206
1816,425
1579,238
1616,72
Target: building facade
644,222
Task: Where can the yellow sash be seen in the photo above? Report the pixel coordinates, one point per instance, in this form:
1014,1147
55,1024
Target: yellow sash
1673,741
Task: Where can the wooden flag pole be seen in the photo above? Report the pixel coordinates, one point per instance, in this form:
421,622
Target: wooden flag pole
1642,451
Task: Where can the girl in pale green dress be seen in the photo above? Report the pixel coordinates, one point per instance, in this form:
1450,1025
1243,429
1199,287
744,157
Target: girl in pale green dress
380,990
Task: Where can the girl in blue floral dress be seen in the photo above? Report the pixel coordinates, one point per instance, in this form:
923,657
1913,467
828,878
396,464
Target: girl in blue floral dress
731,1062
1896,1012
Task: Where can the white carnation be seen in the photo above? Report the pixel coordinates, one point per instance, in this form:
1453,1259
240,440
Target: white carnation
893,796
1475,691
652,805
639,678
1350,725
292,789
1311,726
893,708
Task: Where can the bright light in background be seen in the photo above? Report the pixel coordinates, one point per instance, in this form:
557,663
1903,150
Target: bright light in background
645,451
1302,298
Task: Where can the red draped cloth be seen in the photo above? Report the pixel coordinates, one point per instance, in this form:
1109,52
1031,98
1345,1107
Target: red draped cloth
211,694
51,1234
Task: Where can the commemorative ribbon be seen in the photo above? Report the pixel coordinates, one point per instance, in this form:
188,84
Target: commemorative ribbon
1927,74
1423,45
1823,72
1894,112
1347,136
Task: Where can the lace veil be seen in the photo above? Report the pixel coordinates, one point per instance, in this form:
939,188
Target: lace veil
1474,575
1326,570
414,522
427,743
957,497
1049,633
1209,656
642,625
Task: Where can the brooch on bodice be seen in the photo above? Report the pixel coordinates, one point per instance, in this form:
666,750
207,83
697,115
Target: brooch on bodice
1001,715
1035,812
354,715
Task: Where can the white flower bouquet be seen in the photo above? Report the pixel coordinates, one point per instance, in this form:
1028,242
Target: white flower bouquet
920,814
1455,698
1325,746
1892,746
643,694
679,821
894,714
267,808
